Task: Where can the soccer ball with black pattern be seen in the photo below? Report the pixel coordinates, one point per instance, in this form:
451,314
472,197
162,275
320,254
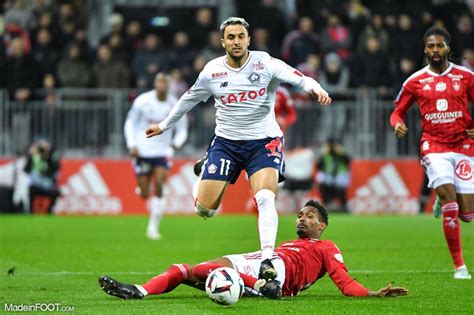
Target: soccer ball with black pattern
224,286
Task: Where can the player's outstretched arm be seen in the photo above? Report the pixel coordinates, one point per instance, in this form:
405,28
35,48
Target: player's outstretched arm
350,287
153,130
321,96
288,74
389,291
199,92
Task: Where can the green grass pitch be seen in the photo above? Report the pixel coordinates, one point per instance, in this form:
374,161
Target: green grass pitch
58,260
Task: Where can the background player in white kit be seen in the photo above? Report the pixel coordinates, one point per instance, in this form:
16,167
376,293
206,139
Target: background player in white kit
243,85
152,157
443,91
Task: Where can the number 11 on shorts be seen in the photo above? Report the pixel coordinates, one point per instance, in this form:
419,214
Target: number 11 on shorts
225,167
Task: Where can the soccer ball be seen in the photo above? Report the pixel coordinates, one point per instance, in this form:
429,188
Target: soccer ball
224,286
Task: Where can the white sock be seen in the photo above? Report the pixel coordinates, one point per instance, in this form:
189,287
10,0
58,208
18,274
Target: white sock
156,207
267,221
141,289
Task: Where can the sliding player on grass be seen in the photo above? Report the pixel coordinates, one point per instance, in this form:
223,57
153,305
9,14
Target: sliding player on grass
299,263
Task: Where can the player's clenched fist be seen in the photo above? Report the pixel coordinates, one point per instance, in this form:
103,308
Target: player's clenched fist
153,130
400,130
321,96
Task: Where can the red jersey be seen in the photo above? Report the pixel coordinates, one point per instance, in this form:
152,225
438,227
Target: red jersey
284,108
443,103
306,260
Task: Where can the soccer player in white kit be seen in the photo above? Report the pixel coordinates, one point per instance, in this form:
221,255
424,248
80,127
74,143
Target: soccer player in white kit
152,157
243,85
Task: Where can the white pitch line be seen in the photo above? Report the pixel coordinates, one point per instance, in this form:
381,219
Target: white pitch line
405,271
90,273
84,273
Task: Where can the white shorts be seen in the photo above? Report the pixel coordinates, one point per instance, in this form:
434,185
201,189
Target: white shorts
450,168
249,264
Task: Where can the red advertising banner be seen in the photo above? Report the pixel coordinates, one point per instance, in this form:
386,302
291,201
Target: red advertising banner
385,186
108,187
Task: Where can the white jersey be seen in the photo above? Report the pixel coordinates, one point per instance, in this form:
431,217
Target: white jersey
146,110
244,97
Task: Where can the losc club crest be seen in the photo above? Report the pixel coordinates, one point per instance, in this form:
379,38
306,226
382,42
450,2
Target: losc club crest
212,169
254,77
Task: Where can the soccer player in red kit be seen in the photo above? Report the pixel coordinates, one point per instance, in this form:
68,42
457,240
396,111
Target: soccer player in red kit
299,263
285,111
442,90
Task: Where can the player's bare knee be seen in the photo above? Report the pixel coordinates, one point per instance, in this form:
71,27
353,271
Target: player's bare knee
446,192
208,201
447,198
159,188
191,273
203,211
143,193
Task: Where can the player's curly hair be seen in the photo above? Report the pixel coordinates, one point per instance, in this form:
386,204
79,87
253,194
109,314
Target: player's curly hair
323,213
436,30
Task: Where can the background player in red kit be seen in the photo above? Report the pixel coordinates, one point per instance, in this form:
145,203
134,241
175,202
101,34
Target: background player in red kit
442,90
285,111
299,263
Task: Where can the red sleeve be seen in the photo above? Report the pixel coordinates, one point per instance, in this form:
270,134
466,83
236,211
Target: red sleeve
284,107
25,38
404,100
290,112
338,273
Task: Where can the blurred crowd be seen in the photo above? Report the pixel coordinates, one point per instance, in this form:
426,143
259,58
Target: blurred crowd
342,43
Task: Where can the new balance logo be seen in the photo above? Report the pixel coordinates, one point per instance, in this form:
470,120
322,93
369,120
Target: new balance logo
384,192
224,84
87,192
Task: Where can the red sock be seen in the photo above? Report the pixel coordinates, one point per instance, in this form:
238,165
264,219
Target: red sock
167,281
452,231
467,216
202,270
